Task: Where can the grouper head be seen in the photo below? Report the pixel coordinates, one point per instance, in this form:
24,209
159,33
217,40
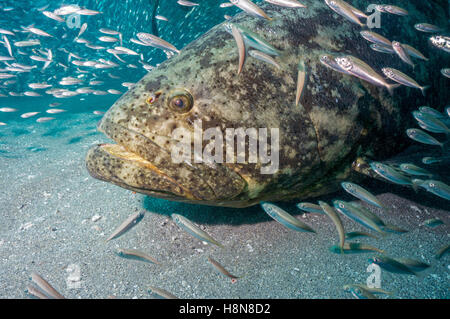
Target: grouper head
173,97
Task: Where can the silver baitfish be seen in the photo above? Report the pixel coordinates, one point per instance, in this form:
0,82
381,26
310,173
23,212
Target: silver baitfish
390,173
250,8
375,38
382,48
252,40
345,10
437,188
355,248
432,112
362,70
361,193
420,136
356,234
194,230
284,218
441,42
415,170
446,72
126,225
430,123
310,208
413,264
431,160
442,251
287,3
263,57
402,53
337,222
414,52
433,222
426,27
402,78
359,292
392,265
359,215
387,8
330,62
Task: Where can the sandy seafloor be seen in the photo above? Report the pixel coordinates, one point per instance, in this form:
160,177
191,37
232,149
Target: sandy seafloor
48,200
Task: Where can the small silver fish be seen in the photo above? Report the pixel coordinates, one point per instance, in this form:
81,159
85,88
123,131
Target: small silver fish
446,72
241,47
330,62
161,292
136,254
361,193
390,173
362,70
375,38
437,188
432,112
352,248
430,122
310,208
415,170
287,3
426,27
433,222
45,286
29,114
154,41
420,136
301,79
442,251
356,234
359,215
222,269
392,265
392,9
359,292
402,53
53,16
193,229
337,222
263,57
284,218
32,290
345,10
414,52
431,160
250,8
402,78
441,42
126,225
39,32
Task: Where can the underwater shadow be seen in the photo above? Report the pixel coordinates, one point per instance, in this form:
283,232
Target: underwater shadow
207,214
56,131
19,132
79,138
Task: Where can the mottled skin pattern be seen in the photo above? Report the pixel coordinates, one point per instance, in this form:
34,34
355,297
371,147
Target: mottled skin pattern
339,117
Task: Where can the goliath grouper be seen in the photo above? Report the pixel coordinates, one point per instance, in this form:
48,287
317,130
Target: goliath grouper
339,118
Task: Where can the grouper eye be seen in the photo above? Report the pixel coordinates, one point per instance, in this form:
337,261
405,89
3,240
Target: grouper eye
180,101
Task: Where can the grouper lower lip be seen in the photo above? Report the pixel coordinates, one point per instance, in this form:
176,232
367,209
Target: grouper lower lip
103,162
138,164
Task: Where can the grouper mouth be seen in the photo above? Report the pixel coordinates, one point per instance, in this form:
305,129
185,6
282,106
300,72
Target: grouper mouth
141,165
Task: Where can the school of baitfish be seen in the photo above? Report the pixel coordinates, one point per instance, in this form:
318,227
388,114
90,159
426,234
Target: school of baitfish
27,44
